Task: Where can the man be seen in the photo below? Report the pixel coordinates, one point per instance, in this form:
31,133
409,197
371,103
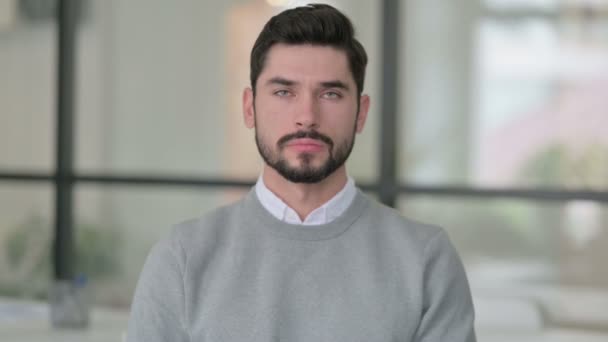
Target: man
305,256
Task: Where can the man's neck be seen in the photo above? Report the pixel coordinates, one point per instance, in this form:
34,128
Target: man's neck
302,197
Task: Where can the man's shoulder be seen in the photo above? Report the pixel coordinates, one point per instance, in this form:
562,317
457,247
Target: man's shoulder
208,227
398,225
215,215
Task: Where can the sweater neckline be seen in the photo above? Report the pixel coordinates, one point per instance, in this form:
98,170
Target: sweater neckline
266,221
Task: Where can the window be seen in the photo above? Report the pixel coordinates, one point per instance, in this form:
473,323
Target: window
500,138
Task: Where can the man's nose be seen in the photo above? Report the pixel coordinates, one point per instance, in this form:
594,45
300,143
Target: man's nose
307,115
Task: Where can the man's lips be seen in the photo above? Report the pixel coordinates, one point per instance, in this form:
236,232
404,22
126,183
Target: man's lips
306,145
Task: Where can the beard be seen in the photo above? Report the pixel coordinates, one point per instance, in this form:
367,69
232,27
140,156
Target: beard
306,172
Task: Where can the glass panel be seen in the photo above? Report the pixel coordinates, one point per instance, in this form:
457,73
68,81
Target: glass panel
522,4
117,226
25,241
167,98
435,77
27,87
366,17
541,119
517,102
537,270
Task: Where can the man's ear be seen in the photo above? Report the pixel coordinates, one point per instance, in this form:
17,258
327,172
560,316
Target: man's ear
363,110
248,108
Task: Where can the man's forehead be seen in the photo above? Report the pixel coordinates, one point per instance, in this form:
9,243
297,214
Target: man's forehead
314,63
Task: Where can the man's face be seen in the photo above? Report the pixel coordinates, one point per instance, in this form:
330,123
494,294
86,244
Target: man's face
306,111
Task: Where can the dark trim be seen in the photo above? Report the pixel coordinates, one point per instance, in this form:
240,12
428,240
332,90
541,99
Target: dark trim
163,181
543,194
183,181
387,149
539,194
63,246
404,189
26,176
117,179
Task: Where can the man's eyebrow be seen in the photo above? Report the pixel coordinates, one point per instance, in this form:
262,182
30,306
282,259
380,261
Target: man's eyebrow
280,81
335,84
325,84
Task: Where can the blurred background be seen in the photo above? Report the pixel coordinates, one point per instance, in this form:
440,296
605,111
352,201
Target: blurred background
489,117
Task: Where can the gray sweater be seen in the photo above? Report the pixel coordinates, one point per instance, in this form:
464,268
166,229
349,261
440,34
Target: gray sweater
239,274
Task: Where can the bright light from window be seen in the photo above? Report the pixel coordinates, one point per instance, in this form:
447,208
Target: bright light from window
277,3
288,3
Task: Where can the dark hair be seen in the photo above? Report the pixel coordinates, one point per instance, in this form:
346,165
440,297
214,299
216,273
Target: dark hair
316,24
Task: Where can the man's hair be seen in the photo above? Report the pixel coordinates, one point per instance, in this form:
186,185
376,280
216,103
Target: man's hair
316,24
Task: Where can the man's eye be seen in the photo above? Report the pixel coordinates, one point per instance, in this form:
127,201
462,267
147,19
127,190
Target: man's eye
331,95
281,93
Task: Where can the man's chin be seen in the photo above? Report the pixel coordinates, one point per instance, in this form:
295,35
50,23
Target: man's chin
303,174
304,177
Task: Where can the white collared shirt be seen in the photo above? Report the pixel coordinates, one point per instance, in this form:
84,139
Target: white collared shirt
322,215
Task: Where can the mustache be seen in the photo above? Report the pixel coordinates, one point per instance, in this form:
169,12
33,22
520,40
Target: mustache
305,134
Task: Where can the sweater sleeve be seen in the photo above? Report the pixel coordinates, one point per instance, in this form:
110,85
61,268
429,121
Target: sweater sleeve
157,311
447,313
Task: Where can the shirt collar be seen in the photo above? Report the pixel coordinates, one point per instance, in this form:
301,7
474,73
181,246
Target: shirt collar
326,213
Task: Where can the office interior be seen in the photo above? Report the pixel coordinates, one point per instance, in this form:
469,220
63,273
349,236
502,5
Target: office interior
121,118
